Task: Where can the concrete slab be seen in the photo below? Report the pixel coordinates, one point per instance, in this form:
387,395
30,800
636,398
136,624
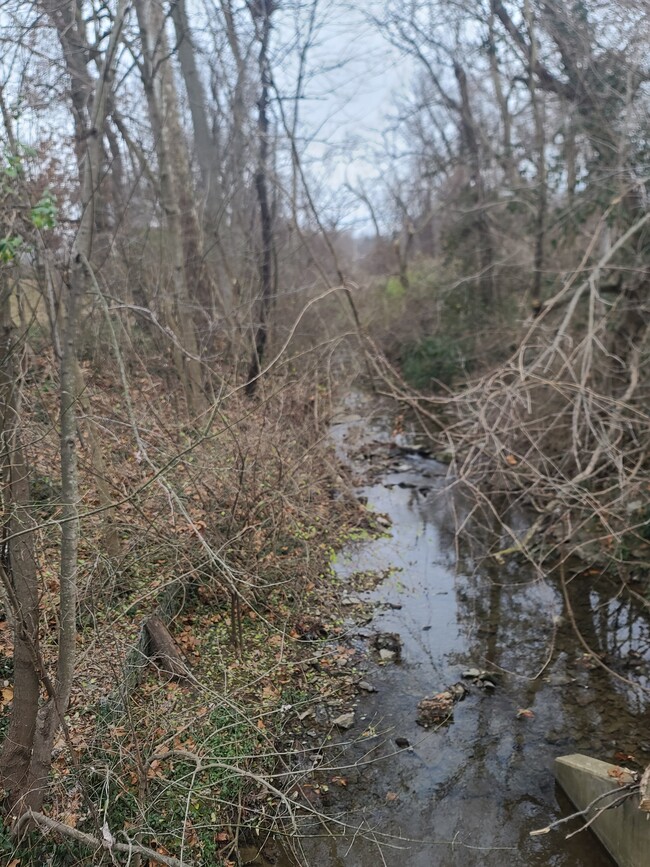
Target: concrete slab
624,831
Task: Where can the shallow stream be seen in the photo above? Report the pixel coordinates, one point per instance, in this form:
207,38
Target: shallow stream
470,792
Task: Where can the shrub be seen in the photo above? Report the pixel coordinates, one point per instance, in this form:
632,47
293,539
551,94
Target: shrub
436,358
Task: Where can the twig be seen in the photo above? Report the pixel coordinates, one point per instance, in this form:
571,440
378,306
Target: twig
45,823
615,803
629,789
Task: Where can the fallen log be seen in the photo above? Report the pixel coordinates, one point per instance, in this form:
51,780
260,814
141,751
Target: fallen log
164,651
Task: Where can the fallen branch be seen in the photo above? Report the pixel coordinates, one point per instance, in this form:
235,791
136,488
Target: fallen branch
46,824
623,792
615,803
164,649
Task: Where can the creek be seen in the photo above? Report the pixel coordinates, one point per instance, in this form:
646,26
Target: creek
469,792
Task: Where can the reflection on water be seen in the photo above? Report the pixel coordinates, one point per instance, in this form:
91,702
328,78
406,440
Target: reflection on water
469,793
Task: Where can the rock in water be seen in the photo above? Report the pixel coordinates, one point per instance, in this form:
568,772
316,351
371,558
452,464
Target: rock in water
366,687
390,642
439,708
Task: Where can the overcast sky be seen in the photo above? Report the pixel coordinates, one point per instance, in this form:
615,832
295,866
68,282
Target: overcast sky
348,104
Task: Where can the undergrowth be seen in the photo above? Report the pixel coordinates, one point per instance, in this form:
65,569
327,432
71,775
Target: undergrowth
249,507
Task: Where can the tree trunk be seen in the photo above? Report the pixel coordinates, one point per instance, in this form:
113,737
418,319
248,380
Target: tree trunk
507,157
540,159
18,570
206,147
50,716
158,87
30,766
206,144
470,141
262,21
164,650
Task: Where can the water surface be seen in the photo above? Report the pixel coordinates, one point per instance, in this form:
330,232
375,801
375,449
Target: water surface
470,792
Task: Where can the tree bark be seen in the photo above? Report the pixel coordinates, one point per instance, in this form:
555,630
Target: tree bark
470,141
507,157
156,75
164,649
18,569
262,19
206,147
537,105
30,780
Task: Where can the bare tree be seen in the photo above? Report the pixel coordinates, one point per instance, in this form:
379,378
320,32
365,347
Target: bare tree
26,765
261,13
182,227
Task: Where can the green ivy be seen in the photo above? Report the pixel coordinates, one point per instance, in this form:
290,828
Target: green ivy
9,247
42,216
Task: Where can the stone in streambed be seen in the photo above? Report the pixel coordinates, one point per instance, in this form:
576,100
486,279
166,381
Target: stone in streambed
388,645
366,687
345,721
439,708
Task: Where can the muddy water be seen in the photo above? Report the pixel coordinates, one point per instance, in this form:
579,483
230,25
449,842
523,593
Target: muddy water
470,792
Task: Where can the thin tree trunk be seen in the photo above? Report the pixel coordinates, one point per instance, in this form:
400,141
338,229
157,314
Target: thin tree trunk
44,724
51,714
209,159
201,288
540,158
470,140
507,157
156,76
18,569
570,156
206,148
263,23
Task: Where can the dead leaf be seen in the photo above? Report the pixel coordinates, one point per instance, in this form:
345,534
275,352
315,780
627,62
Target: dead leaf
620,756
70,819
7,695
525,713
154,770
623,776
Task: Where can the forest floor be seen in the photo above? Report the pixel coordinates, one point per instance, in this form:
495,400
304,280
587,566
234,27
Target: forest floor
228,530
252,507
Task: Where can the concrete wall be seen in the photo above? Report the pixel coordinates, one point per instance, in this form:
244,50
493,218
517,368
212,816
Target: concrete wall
624,831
